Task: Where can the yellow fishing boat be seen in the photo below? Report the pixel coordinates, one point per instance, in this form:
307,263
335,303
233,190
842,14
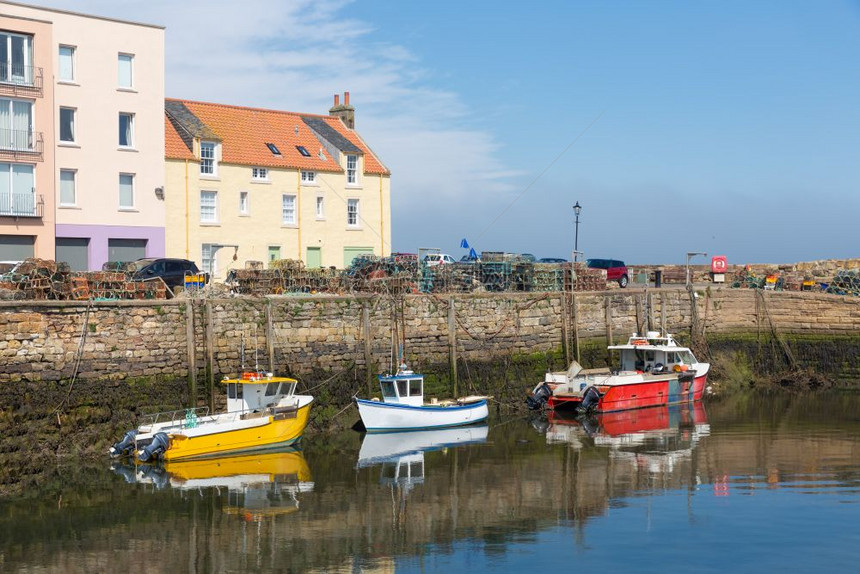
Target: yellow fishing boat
263,411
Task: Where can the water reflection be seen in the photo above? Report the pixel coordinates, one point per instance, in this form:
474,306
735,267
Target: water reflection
252,486
762,475
400,455
653,438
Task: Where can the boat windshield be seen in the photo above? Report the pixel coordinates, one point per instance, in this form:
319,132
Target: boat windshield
403,387
388,389
415,387
272,389
234,391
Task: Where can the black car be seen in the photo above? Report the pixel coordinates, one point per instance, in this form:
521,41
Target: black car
172,271
552,260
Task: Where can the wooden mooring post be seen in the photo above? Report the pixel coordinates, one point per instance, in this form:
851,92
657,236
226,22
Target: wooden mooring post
368,347
192,354
210,356
270,337
452,342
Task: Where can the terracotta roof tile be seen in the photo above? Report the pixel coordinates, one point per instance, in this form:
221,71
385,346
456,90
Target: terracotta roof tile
244,133
174,147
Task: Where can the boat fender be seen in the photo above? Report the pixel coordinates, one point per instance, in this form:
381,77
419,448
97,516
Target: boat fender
539,398
124,446
155,449
590,399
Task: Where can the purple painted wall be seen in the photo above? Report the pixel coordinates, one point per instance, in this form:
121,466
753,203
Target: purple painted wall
97,254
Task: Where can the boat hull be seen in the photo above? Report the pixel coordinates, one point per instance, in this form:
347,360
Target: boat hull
212,441
378,416
639,395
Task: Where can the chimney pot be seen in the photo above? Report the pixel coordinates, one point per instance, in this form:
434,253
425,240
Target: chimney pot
336,100
346,98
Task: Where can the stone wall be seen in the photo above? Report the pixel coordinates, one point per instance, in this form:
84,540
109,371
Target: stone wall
50,341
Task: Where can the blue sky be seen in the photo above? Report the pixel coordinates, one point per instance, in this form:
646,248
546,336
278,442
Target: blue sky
731,127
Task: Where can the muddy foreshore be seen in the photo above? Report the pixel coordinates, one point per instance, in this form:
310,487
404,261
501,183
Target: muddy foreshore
47,425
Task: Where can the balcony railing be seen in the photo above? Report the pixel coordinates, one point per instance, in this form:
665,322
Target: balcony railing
27,78
17,142
17,204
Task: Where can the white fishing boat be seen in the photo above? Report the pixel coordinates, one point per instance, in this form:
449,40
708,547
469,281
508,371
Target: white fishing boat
402,406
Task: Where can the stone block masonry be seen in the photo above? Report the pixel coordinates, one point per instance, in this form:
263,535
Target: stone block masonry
204,340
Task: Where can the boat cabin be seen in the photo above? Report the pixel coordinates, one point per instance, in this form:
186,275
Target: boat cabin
404,388
258,391
654,353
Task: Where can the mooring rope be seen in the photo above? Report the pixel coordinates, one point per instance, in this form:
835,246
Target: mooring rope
78,357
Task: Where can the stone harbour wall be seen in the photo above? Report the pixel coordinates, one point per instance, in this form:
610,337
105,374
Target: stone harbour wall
207,339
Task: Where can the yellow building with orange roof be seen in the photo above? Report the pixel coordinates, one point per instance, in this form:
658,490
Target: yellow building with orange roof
247,184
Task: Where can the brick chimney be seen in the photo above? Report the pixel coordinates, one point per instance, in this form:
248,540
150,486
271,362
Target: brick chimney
345,112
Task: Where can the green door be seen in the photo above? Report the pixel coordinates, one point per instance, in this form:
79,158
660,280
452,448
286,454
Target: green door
350,253
274,252
314,258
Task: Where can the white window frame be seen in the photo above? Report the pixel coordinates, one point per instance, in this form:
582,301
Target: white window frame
288,209
209,259
119,60
21,202
244,203
60,130
209,165
353,212
309,177
13,138
130,144
260,173
320,207
72,67
352,172
129,175
74,201
208,206
27,77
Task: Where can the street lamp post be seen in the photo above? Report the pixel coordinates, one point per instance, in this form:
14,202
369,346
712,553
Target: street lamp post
689,255
576,209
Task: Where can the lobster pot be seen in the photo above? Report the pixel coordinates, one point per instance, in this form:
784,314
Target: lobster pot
496,276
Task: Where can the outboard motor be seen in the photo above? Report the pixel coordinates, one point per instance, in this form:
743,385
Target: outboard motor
155,449
124,446
589,400
538,399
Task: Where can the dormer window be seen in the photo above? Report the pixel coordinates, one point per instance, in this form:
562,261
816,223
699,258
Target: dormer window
303,150
273,148
352,169
208,159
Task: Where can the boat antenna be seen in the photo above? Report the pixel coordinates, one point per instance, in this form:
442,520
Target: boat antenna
242,350
256,351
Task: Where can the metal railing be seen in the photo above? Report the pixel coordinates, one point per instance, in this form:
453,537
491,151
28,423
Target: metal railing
21,204
20,140
22,76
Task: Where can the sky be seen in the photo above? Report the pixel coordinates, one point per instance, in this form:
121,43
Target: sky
728,127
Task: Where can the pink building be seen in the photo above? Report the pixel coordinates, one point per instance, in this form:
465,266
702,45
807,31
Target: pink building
83,152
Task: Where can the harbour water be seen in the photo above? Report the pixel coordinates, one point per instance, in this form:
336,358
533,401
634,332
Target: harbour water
747,483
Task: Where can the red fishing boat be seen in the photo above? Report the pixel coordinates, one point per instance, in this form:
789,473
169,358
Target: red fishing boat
653,371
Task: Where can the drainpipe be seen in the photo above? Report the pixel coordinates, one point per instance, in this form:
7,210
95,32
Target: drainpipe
186,212
381,220
299,211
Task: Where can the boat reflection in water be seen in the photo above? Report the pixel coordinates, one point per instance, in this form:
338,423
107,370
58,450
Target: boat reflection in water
256,485
401,454
654,438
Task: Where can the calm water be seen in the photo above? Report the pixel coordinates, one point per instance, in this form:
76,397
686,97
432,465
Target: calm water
746,484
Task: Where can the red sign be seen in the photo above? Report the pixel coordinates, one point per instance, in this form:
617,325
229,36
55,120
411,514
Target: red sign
719,264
